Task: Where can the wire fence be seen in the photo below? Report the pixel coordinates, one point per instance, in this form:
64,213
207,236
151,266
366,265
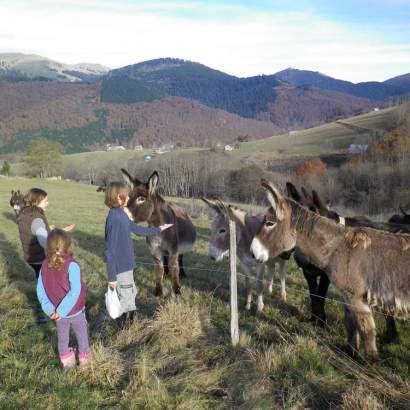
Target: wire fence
305,293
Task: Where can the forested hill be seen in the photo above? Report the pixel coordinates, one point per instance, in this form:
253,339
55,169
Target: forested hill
370,89
164,77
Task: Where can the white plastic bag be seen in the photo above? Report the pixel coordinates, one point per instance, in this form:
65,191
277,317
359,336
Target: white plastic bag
112,303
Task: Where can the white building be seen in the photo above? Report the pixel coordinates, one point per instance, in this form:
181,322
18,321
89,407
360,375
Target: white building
357,148
229,147
138,148
115,147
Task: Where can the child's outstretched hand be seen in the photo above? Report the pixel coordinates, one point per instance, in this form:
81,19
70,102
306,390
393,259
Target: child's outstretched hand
129,214
69,228
165,226
112,285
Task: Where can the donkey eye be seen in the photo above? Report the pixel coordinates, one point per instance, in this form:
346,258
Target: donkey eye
140,200
222,231
270,224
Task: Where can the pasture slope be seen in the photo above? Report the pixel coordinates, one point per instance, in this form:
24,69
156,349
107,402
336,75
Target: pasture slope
177,354
333,137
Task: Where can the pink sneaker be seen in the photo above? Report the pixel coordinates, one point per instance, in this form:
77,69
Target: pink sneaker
84,359
68,360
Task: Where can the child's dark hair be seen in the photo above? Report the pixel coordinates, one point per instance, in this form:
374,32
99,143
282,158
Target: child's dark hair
34,197
116,192
58,248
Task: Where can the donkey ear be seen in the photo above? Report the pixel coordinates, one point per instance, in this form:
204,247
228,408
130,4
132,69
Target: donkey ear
275,198
213,204
235,215
293,192
402,211
317,202
129,180
12,192
153,183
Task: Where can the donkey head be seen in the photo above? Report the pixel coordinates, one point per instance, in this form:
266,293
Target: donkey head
312,202
143,196
219,243
406,217
17,200
276,235
323,209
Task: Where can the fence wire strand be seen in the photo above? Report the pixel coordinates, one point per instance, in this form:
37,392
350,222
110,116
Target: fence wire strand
276,285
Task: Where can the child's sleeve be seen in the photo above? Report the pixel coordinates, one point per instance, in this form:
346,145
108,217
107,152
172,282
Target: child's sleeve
111,237
141,231
38,229
46,305
70,299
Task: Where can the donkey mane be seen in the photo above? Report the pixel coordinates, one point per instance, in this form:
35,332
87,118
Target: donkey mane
306,220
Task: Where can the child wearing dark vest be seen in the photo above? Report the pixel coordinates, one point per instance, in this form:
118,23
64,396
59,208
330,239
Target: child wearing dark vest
62,294
119,248
34,230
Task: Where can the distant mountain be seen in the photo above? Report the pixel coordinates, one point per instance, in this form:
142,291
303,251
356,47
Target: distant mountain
84,105
305,107
73,115
18,66
156,79
372,90
253,97
402,82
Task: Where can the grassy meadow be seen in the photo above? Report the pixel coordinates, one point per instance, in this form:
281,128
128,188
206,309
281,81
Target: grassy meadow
177,354
325,139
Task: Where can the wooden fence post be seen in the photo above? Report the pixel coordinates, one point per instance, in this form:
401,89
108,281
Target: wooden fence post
234,287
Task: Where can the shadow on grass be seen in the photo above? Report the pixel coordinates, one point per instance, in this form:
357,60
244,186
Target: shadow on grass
20,274
10,216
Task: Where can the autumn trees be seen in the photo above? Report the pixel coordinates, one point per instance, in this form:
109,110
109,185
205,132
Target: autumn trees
44,158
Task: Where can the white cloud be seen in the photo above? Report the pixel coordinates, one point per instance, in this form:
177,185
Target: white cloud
245,43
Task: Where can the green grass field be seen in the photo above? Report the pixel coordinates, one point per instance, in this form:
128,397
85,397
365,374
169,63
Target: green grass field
177,354
325,139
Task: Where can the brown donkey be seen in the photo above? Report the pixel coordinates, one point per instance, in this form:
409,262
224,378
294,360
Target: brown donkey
246,228
369,267
147,205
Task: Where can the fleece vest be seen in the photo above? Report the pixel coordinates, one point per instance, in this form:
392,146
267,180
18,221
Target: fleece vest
33,252
57,285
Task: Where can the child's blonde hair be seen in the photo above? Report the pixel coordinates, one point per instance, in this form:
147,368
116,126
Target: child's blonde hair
116,191
58,248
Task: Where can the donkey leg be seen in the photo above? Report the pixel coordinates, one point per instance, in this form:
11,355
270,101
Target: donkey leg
174,268
260,269
324,283
353,336
159,275
392,336
311,280
182,273
166,265
248,283
367,328
282,276
271,273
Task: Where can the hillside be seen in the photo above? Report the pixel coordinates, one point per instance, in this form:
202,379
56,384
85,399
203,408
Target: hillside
266,96
18,66
73,115
372,90
170,100
334,137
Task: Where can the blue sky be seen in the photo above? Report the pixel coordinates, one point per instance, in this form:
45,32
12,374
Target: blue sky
352,40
